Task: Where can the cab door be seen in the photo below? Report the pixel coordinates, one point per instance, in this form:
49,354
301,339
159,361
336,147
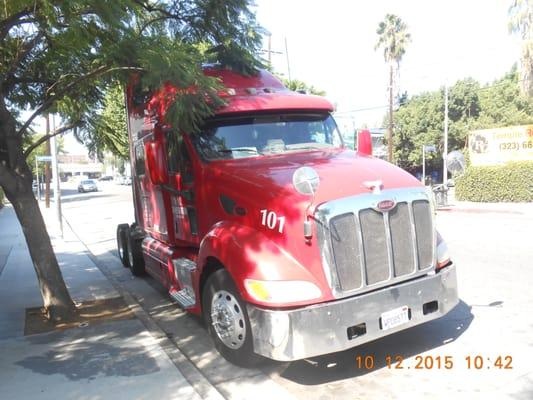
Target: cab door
182,182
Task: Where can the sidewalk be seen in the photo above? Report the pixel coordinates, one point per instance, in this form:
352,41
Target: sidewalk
486,208
119,359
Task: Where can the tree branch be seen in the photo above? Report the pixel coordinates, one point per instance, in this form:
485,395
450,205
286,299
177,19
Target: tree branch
43,139
13,20
150,22
104,69
25,50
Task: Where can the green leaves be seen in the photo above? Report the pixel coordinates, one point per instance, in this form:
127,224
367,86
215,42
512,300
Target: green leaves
511,182
471,106
61,56
393,38
296,85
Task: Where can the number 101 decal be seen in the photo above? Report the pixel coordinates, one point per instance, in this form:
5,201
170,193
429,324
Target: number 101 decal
272,221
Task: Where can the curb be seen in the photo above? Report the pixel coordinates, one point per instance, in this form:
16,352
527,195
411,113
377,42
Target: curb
192,375
479,211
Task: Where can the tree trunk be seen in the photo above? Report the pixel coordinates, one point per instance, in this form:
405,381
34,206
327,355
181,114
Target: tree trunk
56,298
389,131
16,181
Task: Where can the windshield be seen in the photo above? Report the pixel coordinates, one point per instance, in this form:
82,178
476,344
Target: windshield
242,137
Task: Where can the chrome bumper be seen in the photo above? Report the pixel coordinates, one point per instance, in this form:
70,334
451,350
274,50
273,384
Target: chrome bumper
325,328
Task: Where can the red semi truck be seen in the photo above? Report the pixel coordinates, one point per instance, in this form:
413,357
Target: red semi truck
289,244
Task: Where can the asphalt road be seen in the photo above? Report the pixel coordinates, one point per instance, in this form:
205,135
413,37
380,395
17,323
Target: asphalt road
484,347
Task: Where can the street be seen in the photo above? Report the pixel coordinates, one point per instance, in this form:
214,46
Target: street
483,347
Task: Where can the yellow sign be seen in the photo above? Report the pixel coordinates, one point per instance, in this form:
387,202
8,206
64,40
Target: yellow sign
501,145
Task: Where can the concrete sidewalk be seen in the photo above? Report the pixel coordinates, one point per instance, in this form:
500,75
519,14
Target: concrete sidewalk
119,359
488,208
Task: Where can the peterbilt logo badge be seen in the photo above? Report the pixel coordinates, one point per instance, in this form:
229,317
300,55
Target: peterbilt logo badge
386,205
375,186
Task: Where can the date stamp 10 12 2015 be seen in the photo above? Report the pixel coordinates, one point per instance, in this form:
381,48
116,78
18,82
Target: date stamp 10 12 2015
427,362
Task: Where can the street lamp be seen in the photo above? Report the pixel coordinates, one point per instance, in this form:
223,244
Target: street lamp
426,148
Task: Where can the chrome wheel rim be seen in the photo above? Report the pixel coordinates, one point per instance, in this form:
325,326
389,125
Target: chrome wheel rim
227,319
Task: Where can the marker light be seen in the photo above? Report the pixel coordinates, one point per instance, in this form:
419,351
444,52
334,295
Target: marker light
443,257
281,291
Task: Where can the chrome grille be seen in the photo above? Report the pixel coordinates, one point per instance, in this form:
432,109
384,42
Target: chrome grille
375,245
367,248
346,250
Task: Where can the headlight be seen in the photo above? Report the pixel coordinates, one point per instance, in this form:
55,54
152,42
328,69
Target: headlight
281,291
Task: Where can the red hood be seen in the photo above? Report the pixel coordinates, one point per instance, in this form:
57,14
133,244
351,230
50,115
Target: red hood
341,173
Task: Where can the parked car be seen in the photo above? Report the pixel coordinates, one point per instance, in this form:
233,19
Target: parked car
127,180
106,178
87,185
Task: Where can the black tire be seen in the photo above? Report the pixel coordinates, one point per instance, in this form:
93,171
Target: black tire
135,255
244,355
123,231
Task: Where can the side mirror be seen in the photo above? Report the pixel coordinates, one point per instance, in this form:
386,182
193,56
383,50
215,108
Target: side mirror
364,142
155,163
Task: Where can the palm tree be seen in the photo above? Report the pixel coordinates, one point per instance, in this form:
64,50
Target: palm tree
521,23
393,38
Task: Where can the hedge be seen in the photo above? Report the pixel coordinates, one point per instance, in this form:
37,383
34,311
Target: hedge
510,182
1,198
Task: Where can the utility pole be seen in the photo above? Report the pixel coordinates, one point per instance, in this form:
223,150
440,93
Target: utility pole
424,164
55,172
445,153
38,179
47,167
389,131
288,63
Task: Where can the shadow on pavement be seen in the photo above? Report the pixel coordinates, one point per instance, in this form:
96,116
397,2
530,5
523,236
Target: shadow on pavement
405,344
85,353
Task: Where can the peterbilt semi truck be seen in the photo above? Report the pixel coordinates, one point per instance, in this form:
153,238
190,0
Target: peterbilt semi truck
286,242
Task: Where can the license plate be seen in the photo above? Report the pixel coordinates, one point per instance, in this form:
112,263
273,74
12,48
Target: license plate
393,318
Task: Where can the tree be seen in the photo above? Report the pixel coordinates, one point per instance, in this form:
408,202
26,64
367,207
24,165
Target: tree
521,23
503,103
393,38
60,56
471,106
296,85
111,125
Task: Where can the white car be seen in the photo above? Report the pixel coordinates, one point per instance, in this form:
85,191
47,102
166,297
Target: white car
87,185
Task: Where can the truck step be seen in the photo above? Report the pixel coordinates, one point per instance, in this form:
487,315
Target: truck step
182,297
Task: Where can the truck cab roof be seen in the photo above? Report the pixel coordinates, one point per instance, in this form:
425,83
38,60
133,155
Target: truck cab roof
262,92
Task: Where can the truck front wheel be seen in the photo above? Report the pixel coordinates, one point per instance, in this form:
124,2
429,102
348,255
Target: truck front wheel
227,320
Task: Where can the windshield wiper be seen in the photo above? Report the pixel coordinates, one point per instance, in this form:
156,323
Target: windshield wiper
247,149
305,147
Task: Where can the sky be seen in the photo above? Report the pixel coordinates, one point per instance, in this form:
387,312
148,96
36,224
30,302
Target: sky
331,46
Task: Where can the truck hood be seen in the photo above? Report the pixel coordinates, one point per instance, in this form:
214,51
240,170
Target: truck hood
342,173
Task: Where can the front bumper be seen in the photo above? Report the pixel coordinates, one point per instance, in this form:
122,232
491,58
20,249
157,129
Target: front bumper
287,335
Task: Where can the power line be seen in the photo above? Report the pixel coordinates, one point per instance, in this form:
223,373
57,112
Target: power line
385,106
